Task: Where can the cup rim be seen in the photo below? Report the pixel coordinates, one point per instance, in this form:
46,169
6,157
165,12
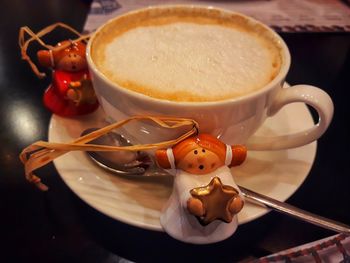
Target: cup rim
285,54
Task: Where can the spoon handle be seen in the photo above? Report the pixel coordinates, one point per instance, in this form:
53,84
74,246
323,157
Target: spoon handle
295,212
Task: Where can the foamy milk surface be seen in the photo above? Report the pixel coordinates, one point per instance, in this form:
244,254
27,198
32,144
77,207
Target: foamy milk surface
189,62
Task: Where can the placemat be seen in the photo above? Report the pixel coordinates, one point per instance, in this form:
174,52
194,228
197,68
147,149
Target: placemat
282,15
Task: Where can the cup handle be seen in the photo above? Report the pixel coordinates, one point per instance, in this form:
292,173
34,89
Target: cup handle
313,96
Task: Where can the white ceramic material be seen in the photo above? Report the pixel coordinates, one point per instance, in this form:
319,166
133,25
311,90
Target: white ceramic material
139,202
235,120
180,224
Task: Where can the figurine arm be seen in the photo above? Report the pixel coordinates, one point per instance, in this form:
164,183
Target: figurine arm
189,203
195,206
236,205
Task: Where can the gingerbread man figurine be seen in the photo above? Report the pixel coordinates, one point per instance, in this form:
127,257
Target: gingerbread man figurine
205,200
71,92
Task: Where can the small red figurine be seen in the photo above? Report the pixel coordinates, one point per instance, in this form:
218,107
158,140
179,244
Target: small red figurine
71,92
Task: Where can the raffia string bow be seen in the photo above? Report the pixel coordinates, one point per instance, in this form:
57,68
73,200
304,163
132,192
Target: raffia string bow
24,43
41,153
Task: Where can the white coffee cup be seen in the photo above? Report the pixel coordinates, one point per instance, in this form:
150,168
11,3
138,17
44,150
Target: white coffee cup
234,120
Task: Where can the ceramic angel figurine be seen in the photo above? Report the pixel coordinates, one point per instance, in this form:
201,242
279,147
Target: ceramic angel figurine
205,199
70,92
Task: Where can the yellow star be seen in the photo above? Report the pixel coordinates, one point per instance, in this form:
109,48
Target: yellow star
216,199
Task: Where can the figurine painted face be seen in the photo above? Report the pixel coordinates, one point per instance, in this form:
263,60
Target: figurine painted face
201,154
200,161
71,58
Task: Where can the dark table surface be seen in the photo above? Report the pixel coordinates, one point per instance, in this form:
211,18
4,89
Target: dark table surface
56,226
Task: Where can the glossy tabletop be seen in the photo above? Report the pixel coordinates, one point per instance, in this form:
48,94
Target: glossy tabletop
56,226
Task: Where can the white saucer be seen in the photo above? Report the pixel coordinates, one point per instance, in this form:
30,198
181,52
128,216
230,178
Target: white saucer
138,202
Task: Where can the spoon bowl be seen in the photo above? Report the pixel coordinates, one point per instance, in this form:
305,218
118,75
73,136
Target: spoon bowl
124,163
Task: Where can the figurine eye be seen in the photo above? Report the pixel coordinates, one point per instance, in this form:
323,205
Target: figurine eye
203,150
75,55
195,152
201,167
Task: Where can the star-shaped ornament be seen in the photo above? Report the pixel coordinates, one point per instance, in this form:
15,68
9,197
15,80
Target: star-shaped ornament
216,199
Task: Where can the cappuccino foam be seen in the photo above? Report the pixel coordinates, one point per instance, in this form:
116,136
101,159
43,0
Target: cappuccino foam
187,60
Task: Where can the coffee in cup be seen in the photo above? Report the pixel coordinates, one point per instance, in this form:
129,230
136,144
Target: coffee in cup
187,55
